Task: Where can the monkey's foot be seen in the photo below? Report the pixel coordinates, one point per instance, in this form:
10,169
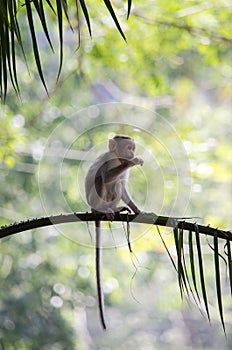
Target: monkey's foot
110,214
120,209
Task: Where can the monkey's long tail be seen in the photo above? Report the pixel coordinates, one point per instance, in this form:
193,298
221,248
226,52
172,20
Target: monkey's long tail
98,273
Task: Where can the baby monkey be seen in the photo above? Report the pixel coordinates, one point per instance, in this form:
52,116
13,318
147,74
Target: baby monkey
105,186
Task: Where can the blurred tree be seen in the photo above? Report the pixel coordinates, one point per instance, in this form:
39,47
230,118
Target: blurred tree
177,63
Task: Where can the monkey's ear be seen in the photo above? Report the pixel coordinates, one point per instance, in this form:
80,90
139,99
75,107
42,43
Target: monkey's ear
112,145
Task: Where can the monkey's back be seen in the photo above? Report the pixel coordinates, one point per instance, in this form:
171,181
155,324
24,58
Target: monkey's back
103,196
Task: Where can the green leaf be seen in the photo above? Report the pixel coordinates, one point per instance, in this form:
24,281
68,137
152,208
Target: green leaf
60,25
201,269
166,248
16,85
229,263
10,53
3,13
1,87
3,57
129,8
220,255
41,13
182,277
218,279
34,42
128,234
86,14
14,23
14,32
179,270
65,7
192,264
16,29
113,15
183,274
50,5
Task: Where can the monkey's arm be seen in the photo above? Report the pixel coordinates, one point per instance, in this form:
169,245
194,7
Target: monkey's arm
114,172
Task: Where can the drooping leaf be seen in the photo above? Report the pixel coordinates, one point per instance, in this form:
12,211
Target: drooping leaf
10,33
86,14
3,57
182,266
40,10
113,15
229,263
166,248
201,270
8,62
60,26
3,13
218,279
188,284
34,42
13,34
129,8
182,278
14,24
179,270
219,254
192,263
10,53
1,82
128,234
50,5
65,8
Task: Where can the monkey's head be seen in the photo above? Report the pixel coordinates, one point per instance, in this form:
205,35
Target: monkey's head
122,146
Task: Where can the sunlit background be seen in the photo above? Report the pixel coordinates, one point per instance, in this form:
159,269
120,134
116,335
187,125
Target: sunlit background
170,87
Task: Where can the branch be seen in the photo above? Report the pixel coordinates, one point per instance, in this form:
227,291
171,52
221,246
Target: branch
178,225
143,218
192,30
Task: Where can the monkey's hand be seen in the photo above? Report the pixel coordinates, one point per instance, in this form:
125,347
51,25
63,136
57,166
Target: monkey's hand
137,161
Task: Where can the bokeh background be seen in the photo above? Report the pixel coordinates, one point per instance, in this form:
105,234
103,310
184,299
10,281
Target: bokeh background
170,87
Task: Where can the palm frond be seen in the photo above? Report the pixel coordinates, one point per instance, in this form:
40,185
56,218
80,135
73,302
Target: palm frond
10,35
218,279
113,15
3,56
34,42
178,237
201,270
229,263
40,10
86,14
60,25
192,262
129,8
166,248
185,278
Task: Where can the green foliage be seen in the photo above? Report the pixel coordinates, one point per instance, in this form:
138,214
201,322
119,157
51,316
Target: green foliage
176,62
30,314
11,135
10,33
